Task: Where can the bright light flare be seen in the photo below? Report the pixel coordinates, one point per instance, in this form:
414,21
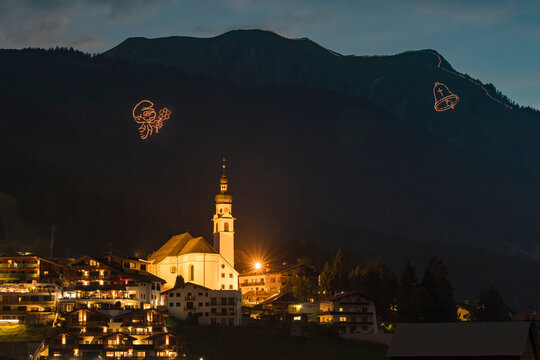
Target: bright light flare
257,266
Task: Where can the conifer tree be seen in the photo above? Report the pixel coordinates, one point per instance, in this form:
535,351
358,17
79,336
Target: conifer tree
409,295
440,305
490,307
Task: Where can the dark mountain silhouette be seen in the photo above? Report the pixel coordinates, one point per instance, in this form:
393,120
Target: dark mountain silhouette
309,162
402,84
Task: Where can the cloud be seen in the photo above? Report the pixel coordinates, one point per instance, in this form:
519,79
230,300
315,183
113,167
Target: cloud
87,42
471,12
39,23
287,25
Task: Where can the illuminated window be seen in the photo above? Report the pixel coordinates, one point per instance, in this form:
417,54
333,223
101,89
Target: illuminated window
191,272
342,318
341,309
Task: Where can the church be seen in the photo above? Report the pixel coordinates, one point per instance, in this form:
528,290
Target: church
194,258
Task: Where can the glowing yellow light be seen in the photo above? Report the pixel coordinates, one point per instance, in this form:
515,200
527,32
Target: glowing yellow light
63,339
145,115
257,265
444,98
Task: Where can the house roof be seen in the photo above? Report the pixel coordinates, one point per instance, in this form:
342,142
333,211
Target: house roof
505,338
180,245
342,295
527,316
184,285
136,312
280,297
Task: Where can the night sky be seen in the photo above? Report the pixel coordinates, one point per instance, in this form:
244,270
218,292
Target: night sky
494,40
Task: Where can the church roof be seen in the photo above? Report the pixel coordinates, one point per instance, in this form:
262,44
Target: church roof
182,244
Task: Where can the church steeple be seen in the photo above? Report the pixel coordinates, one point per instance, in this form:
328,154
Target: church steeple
223,219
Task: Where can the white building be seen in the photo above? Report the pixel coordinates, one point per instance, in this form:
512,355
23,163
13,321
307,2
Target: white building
351,311
195,259
209,307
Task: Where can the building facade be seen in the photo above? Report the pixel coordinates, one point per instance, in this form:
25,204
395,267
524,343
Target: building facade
28,304
352,312
258,285
88,334
111,283
209,307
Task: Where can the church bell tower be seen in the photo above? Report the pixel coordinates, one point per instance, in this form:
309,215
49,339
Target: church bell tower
224,221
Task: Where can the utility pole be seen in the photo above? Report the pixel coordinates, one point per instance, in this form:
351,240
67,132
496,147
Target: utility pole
52,229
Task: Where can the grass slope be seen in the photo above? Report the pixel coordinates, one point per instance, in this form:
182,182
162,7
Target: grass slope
22,333
271,341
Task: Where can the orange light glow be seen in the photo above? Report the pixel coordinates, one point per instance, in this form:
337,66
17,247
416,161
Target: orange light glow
444,98
150,122
257,266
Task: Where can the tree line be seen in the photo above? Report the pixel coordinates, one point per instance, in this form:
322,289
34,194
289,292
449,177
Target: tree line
408,298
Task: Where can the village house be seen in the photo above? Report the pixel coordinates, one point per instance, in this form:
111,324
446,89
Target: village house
89,334
264,281
352,312
207,306
105,284
28,304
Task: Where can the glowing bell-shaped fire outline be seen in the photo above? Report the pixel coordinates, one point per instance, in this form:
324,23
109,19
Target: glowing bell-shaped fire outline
444,98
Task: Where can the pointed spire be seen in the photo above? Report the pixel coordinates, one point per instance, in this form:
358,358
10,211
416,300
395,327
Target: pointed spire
223,181
223,165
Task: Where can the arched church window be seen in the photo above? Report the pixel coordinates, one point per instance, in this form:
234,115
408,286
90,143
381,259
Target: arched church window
191,272
226,226
216,227
220,210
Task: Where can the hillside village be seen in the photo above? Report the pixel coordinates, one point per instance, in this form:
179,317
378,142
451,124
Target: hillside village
118,307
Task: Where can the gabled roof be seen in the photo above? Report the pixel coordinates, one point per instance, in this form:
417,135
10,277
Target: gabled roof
465,339
343,295
182,244
184,285
117,334
280,297
137,311
90,311
155,336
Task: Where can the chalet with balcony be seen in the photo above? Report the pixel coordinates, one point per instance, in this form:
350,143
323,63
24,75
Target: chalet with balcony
209,307
61,345
87,324
258,285
103,284
28,304
352,312
142,323
28,268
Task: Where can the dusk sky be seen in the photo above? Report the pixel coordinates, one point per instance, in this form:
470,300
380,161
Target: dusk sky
496,41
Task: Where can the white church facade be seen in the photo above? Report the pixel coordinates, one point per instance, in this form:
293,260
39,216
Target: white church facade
194,258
